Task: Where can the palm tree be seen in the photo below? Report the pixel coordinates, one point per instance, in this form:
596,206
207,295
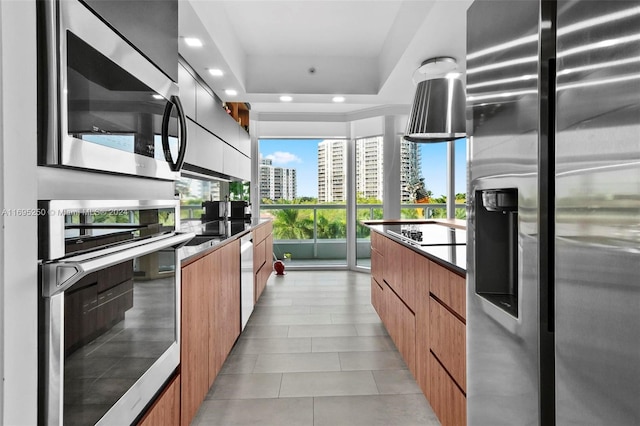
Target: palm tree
289,226
331,229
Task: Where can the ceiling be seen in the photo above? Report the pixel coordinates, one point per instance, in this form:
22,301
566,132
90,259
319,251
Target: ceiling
364,50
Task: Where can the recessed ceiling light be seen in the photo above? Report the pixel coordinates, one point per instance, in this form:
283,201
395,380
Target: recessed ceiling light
338,99
193,42
286,98
231,92
216,72
156,96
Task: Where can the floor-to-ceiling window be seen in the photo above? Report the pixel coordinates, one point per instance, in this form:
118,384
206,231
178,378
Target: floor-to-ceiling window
318,190
424,179
303,189
369,183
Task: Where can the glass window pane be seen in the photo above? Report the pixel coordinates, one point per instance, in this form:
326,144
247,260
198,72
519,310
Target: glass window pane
423,179
369,186
303,189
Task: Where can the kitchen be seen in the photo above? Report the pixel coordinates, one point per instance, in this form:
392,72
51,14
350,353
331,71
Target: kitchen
24,183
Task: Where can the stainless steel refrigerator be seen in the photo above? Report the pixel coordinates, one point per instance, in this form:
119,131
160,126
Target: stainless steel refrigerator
553,321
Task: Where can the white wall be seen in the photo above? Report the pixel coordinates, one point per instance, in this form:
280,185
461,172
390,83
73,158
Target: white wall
18,239
302,129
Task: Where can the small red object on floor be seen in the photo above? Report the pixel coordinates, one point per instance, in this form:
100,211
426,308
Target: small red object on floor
278,266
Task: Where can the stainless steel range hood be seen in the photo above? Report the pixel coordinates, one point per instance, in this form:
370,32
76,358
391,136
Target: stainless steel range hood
438,111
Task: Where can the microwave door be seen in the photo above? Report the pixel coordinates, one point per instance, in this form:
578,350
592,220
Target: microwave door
58,278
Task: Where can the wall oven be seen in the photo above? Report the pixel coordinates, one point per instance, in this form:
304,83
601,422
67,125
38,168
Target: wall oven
103,105
109,317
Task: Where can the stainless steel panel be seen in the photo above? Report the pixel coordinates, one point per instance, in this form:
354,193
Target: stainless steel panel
502,105
598,213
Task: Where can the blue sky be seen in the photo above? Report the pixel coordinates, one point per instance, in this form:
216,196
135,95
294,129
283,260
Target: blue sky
302,155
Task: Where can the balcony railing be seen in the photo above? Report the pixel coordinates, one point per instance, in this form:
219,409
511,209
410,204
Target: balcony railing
318,232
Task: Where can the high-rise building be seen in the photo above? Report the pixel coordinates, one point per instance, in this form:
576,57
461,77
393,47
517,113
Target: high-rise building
277,183
332,171
410,171
369,169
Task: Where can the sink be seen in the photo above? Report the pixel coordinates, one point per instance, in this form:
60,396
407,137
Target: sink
201,239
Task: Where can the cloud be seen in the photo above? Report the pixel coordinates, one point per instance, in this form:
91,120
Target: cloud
280,157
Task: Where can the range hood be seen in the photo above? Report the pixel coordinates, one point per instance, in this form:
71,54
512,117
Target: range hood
438,110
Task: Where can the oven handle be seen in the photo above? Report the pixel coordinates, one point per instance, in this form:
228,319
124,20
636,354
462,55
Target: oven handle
177,165
59,276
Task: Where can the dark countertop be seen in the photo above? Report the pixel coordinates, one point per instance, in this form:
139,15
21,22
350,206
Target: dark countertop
213,235
443,242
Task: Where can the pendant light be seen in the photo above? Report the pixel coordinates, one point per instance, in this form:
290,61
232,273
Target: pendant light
438,110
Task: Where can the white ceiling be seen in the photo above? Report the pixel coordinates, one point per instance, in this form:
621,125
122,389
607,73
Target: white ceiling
364,50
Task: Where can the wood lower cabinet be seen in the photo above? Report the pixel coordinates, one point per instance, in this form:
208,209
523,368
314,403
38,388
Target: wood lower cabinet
421,273
450,289
400,322
227,304
448,341
378,298
210,322
165,411
196,304
446,398
422,305
262,257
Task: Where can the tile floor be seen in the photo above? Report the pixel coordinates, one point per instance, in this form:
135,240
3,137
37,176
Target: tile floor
315,353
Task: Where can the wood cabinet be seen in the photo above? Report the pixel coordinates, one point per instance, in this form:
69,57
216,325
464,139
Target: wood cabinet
239,111
450,289
446,399
421,270
196,304
400,322
210,314
262,257
422,305
448,341
165,410
227,307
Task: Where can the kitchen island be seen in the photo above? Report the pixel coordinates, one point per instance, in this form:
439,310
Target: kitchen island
418,288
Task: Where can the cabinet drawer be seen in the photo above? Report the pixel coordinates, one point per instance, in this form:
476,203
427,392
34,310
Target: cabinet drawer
377,298
376,265
392,255
448,341
401,325
259,255
376,241
446,399
449,288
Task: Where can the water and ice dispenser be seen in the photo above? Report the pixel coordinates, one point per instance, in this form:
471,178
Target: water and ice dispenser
496,212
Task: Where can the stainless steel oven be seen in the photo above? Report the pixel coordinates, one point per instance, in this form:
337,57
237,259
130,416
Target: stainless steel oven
103,105
110,333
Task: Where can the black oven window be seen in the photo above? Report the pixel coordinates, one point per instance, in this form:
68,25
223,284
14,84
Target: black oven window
108,106
90,231
118,322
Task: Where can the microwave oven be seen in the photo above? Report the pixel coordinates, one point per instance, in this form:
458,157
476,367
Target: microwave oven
103,106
